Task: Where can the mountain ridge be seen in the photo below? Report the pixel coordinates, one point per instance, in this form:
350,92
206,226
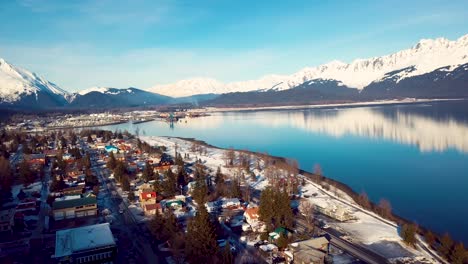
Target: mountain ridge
430,68
426,55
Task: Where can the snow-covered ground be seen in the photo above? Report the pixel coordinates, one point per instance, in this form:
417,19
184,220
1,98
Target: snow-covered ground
368,229
34,187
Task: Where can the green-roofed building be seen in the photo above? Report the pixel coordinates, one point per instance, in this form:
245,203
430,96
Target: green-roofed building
74,206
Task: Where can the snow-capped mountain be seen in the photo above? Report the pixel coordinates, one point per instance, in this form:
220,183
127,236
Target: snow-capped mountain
424,57
21,87
106,97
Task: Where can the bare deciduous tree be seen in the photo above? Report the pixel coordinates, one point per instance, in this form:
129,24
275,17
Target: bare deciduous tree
317,177
385,208
363,200
229,157
307,209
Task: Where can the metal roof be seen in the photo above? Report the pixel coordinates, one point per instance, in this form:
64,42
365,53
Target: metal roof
84,238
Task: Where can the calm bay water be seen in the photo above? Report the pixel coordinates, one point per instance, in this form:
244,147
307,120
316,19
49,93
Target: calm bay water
416,156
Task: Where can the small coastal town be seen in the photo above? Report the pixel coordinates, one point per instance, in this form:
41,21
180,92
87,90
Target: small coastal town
30,122
96,196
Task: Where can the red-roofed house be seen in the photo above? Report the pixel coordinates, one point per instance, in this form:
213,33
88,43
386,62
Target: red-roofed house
145,196
150,209
148,202
252,218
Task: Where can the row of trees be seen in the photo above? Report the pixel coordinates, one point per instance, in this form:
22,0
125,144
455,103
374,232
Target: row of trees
445,246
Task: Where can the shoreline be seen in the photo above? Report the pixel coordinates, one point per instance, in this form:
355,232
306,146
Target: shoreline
396,221
324,106
386,230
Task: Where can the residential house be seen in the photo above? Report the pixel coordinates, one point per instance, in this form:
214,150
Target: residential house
212,206
146,196
150,209
99,145
172,204
280,231
51,153
251,216
313,250
119,156
111,148
76,206
148,201
337,212
230,203
38,159
87,244
73,190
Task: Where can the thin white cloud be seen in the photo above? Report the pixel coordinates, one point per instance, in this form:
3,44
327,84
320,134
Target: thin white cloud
80,66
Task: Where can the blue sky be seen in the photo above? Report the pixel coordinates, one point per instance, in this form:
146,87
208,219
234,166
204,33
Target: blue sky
79,44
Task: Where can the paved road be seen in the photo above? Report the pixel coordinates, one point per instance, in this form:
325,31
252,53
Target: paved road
355,250
126,221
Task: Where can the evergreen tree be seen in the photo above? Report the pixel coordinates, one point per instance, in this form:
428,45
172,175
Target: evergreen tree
181,176
90,178
169,184
27,176
201,238
63,142
156,226
157,186
125,183
171,227
200,191
236,189
111,163
148,172
131,196
119,171
282,241
275,209
265,209
6,175
227,256
73,138
219,177
284,216
57,184
86,161
179,161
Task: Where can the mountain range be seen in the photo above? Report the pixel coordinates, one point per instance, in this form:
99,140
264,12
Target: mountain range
431,68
